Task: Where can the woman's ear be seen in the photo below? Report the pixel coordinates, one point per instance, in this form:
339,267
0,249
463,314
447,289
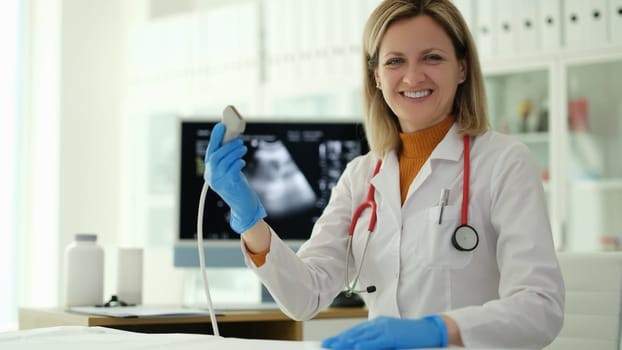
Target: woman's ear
463,71
377,78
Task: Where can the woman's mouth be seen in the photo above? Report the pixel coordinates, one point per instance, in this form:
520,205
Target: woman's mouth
417,95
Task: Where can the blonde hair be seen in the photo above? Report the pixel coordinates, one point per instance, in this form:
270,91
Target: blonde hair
469,107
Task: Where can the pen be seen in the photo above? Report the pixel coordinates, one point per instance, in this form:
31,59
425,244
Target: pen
442,202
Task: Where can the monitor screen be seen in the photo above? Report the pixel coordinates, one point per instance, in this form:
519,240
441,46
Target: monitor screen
291,166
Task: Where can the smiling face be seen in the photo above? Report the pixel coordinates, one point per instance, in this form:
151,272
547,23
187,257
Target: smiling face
418,72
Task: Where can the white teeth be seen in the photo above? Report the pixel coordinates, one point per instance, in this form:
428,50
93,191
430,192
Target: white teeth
417,94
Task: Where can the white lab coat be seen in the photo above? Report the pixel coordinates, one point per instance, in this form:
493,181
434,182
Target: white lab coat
508,292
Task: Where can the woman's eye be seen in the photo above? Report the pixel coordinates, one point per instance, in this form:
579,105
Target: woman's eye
433,58
393,61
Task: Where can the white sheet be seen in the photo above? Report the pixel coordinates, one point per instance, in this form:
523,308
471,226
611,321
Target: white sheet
100,338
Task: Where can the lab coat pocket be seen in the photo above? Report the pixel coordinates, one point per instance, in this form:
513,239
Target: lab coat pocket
436,248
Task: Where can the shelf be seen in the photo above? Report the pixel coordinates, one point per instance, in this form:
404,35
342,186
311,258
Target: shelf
503,65
614,184
499,66
533,137
612,52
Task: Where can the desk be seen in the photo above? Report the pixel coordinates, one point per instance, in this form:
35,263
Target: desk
260,324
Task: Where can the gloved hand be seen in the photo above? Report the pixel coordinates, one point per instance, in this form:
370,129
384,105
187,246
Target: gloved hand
223,173
392,333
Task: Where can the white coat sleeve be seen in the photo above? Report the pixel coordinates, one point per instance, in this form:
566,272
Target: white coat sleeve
529,311
304,283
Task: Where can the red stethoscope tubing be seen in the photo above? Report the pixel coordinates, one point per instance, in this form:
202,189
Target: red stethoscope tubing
464,216
370,201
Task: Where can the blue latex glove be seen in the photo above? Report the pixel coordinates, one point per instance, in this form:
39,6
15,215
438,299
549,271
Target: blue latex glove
223,173
392,333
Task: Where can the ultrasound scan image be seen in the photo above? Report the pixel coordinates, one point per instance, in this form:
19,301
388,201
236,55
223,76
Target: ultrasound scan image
281,186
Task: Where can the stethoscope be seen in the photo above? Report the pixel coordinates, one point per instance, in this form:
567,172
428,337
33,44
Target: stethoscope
464,238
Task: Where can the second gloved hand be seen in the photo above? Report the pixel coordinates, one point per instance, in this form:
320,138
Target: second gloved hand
392,333
223,173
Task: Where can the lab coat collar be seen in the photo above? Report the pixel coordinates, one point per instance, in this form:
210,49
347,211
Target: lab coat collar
450,147
387,183
387,180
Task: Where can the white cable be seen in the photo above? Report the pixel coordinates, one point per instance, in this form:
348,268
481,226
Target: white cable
212,314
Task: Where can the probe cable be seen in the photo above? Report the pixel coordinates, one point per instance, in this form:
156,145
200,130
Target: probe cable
210,306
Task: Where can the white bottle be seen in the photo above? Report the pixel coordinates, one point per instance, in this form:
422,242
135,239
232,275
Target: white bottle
84,271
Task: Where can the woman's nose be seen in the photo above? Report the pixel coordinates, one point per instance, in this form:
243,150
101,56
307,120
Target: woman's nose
414,75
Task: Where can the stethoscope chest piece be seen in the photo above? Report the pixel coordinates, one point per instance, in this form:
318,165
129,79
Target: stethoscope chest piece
465,238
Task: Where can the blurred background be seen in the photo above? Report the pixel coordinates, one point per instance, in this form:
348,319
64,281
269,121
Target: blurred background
91,93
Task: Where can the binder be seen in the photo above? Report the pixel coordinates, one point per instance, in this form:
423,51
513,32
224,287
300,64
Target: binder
485,34
246,46
218,52
313,67
528,26
597,13
549,21
615,21
336,16
291,30
356,19
347,25
324,29
575,23
272,34
586,23
506,28
307,38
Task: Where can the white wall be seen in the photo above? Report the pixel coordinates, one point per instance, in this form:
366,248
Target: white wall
93,77
94,84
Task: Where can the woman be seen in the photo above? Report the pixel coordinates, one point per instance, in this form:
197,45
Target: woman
495,282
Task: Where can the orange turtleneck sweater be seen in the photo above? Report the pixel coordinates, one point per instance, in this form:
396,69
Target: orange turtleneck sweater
416,149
